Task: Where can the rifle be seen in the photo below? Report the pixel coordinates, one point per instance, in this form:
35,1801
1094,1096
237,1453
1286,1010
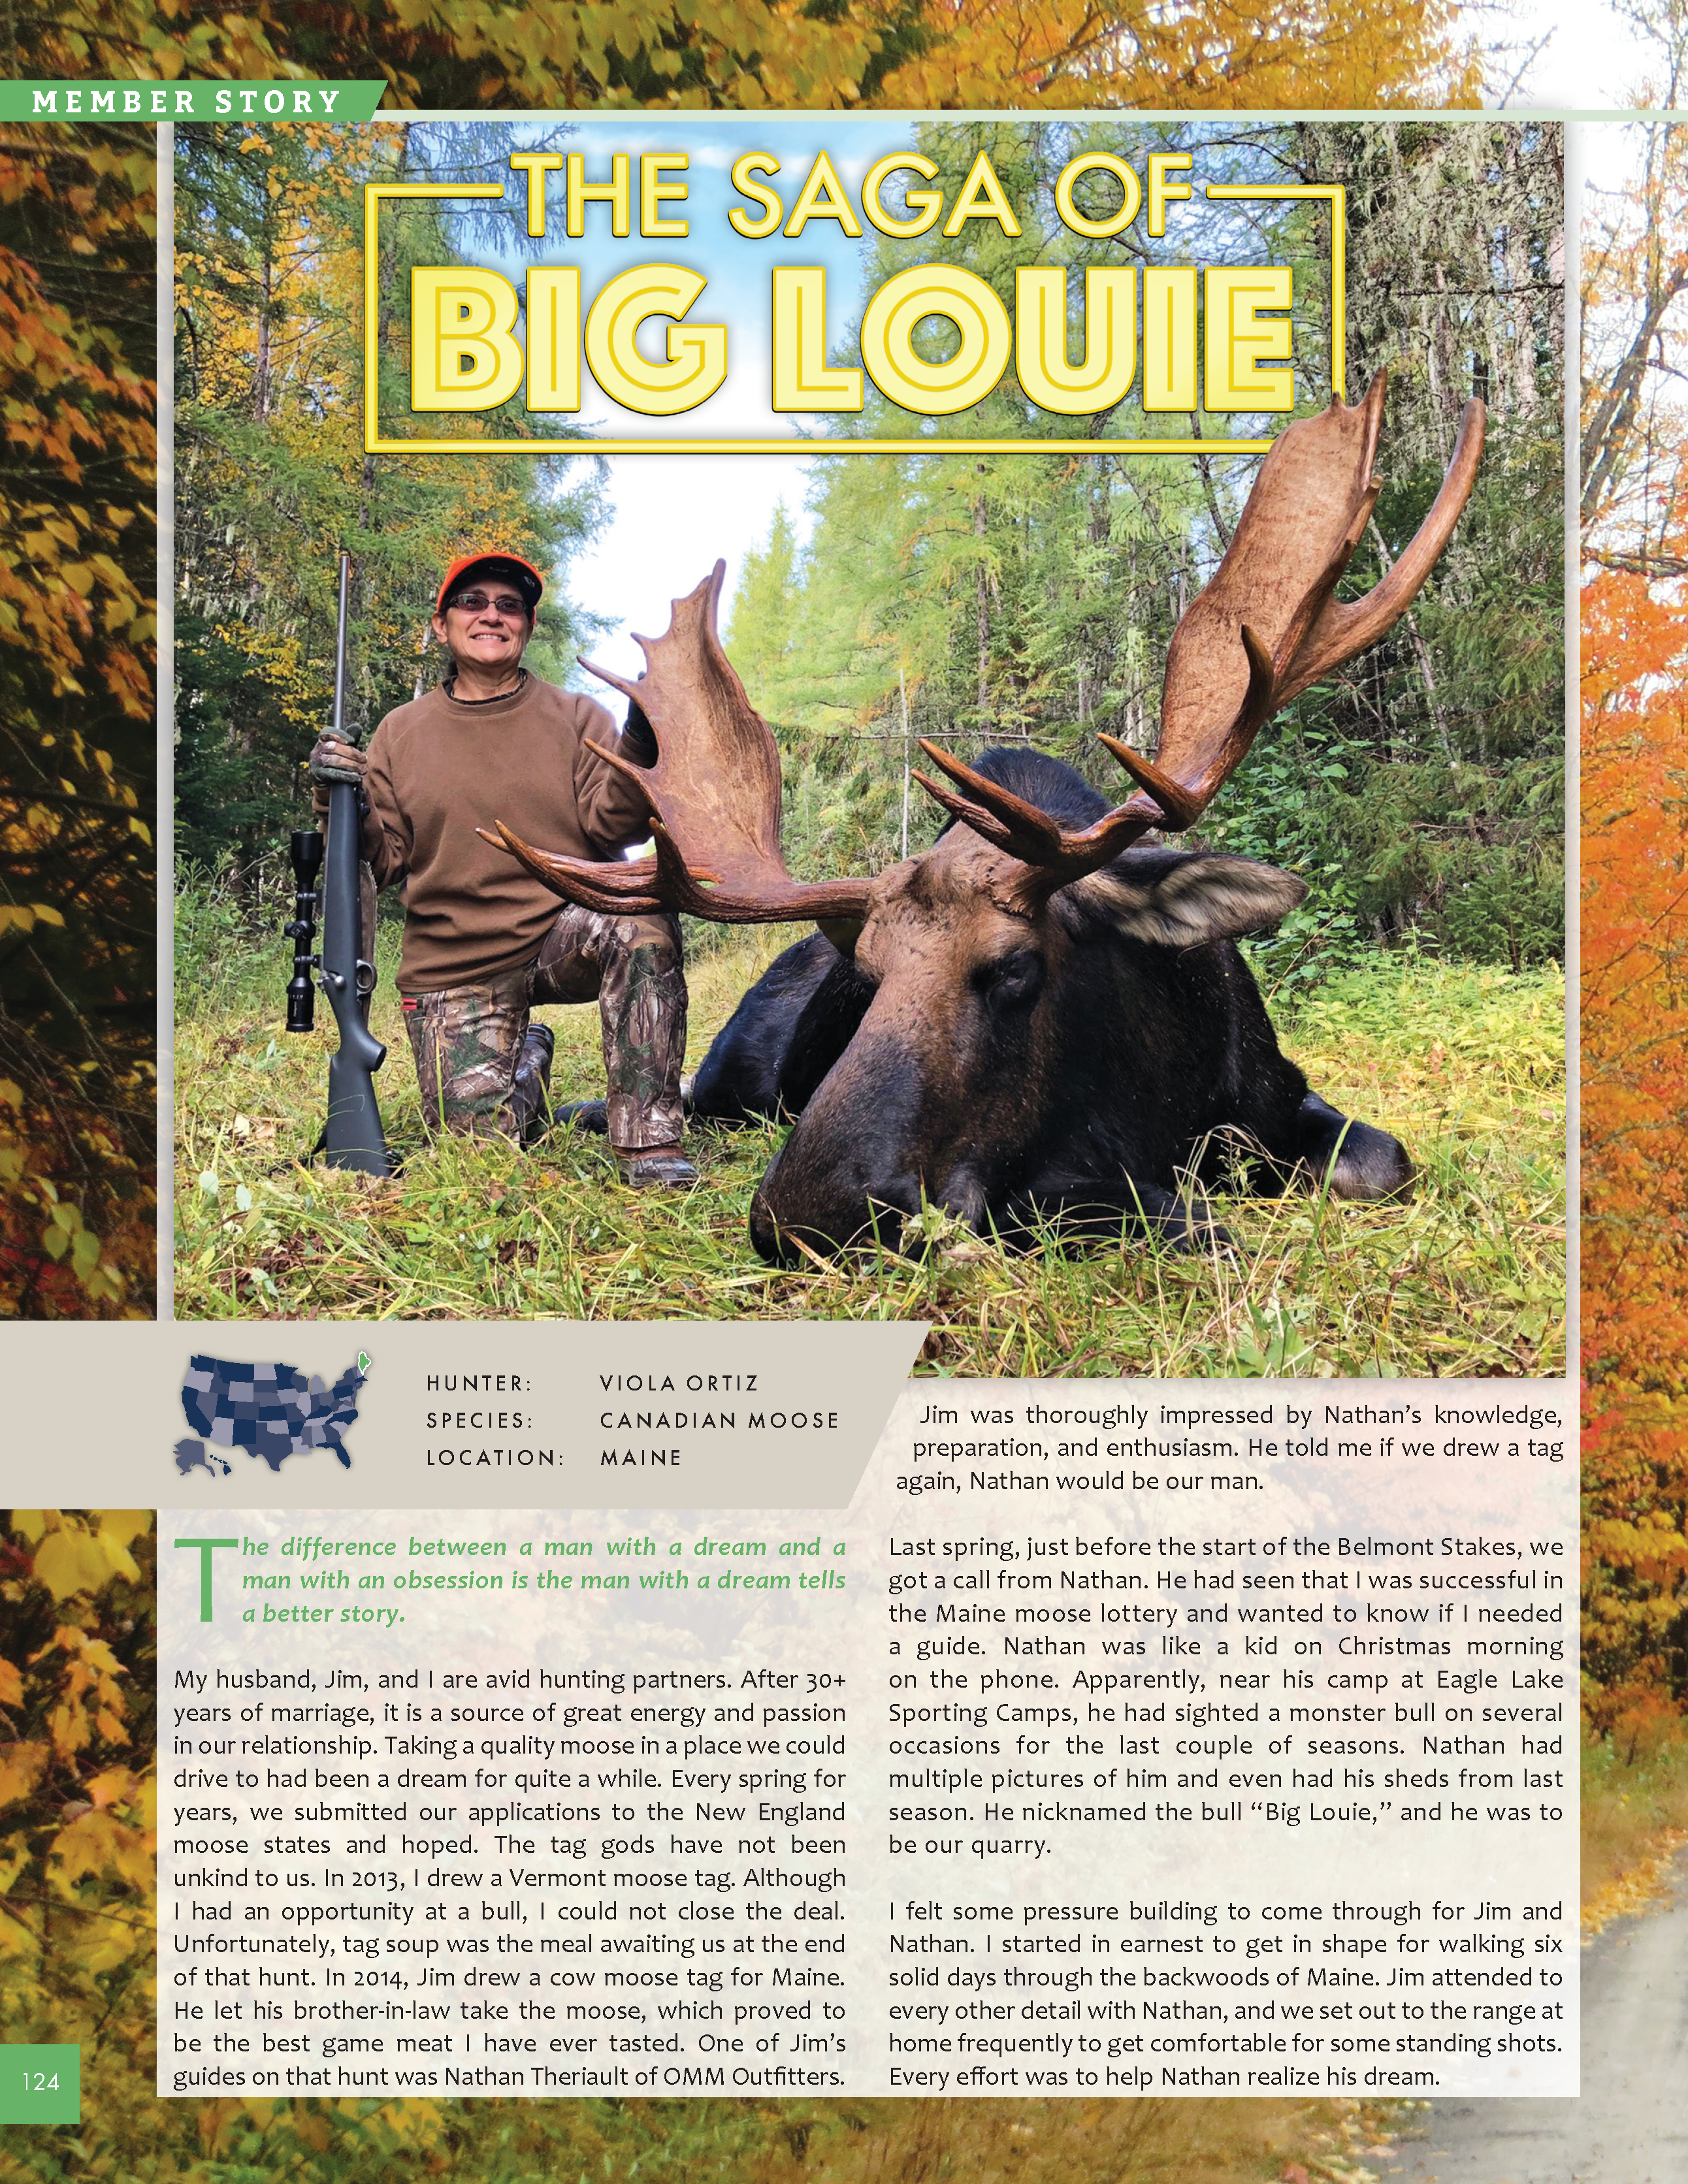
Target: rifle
352,1133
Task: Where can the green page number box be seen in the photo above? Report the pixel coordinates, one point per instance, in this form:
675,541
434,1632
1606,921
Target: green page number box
40,2085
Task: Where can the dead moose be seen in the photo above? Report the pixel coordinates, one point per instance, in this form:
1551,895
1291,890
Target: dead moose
1035,1021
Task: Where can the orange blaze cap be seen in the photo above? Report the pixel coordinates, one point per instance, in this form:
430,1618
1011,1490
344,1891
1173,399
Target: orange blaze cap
526,577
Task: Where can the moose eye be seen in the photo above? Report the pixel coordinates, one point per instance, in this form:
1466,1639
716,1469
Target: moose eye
1013,982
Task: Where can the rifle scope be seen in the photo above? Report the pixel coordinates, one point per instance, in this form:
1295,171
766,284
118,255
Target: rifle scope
306,851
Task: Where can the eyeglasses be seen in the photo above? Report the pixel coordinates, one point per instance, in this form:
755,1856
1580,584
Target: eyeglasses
506,603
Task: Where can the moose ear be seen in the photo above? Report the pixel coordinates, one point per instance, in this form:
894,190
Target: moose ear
1173,899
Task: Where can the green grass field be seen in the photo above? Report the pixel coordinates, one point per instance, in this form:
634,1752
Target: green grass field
1464,1063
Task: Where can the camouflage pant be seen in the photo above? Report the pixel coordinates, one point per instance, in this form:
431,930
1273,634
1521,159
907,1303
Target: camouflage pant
481,1068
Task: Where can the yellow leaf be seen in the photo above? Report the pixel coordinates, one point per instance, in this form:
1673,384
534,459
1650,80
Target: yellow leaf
115,1786
97,1843
21,1767
124,1524
70,1729
11,1684
18,1935
108,1943
94,1651
116,1557
30,1522
46,915
70,1561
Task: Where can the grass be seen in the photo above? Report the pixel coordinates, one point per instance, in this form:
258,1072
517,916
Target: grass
1465,1063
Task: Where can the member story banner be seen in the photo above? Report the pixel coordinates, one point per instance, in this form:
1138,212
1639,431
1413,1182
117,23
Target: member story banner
84,100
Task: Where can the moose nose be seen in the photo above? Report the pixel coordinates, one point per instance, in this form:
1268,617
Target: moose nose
850,1211
852,1165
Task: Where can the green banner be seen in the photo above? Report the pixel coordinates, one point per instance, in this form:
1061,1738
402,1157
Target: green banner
221,100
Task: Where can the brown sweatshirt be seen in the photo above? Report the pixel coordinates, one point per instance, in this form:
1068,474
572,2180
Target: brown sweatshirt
439,769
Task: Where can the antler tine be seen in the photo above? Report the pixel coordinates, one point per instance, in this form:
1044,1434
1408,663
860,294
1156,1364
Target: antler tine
636,774
1344,629
1181,804
628,689
667,883
985,824
616,890
1267,624
1004,820
713,793
1055,856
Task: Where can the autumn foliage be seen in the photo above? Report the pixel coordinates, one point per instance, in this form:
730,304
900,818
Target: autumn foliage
755,54
1634,928
77,1786
78,1881
78,1843
273,478
1635,1132
77,862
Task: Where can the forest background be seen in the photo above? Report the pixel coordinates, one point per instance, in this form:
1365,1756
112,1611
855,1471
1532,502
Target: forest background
1634,800
976,599
77,893
755,53
1004,598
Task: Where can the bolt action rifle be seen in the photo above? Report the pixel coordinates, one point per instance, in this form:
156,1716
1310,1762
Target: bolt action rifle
352,1135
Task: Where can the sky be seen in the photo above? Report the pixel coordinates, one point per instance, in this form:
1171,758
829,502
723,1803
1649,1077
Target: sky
1592,59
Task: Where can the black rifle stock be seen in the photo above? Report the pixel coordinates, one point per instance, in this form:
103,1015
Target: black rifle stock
352,1133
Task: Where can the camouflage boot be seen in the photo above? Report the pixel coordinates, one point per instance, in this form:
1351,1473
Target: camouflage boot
530,1090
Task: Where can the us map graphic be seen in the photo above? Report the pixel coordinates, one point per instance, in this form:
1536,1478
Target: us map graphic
269,1410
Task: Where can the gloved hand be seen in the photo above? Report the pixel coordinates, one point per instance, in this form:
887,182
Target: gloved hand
332,761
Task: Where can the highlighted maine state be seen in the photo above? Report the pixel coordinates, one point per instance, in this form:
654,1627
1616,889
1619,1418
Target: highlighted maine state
272,1411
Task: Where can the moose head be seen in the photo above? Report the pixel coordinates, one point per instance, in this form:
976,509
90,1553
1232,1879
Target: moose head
1047,1017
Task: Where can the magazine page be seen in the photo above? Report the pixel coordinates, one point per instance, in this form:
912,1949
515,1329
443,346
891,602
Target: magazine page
869,1080
981,413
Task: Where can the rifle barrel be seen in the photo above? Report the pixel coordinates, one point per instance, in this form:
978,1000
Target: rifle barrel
351,1135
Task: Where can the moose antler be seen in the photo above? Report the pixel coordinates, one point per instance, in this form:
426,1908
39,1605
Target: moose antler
713,795
1265,627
